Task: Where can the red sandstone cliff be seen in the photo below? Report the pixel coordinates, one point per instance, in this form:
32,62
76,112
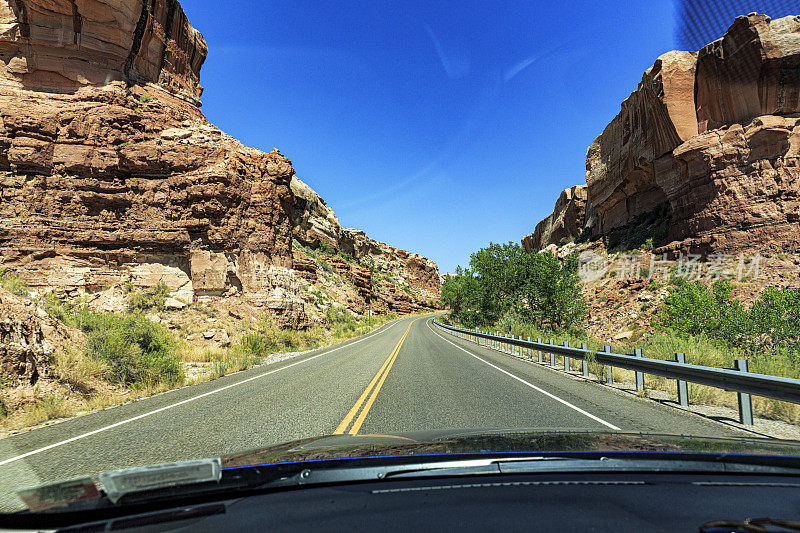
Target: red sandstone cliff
704,153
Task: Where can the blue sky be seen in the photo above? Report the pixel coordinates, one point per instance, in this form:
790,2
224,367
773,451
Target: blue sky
434,126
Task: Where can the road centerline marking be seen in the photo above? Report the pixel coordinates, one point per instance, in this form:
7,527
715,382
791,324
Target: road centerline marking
377,383
182,402
346,422
531,385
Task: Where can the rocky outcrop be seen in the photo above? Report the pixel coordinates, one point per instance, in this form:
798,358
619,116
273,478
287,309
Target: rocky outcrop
705,149
736,188
110,175
654,119
751,71
28,338
565,222
316,223
63,45
99,190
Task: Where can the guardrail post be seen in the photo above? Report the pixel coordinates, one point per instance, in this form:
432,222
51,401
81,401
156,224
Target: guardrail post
683,388
539,352
585,365
566,358
530,354
552,355
639,375
609,368
745,402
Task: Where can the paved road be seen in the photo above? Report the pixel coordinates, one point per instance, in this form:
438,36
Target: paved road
406,376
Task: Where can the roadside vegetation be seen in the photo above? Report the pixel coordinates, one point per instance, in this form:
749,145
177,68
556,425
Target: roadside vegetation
503,283
539,296
129,356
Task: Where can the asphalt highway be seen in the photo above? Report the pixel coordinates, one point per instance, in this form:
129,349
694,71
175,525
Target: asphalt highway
406,376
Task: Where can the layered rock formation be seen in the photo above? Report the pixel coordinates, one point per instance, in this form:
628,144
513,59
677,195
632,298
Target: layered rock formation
708,143
566,221
110,174
315,223
62,45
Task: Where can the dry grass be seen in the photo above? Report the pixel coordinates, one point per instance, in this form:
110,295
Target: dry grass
699,351
73,367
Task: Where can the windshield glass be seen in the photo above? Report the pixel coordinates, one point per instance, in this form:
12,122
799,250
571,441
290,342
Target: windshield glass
259,234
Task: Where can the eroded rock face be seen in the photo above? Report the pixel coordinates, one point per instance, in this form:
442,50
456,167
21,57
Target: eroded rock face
655,118
709,140
62,45
566,221
28,339
736,188
110,174
753,70
315,223
94,195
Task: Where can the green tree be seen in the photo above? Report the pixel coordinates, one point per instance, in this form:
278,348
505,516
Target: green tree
775,320
461,293
548,291
504,280
493,267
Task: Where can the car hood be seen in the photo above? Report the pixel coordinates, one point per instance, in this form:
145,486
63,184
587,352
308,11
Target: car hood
461,441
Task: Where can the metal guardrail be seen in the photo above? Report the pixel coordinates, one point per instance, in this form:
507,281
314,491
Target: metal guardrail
738,379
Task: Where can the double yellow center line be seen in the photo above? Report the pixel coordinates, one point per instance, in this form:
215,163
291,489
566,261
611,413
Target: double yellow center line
374,387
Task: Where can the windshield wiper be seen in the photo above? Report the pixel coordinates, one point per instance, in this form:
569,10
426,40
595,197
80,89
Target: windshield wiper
167,482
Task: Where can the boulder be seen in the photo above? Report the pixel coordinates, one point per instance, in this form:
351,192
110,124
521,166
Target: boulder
28,339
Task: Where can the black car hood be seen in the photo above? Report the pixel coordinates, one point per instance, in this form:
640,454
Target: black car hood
460,441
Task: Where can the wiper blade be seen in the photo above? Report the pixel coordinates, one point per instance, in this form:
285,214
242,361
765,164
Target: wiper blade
750,525
677,464
527,465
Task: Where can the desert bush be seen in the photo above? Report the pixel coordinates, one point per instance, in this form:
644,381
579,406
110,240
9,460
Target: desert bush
75,368
771,325
135,349
151,299
13,284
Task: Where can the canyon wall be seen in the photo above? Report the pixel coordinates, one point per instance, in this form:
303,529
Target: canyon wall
62,45
704,153
315,223
110,175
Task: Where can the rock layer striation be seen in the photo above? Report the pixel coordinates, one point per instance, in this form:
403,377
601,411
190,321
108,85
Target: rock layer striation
709,143
110,174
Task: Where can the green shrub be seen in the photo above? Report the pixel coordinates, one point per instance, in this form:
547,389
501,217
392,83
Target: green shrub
56,307
143,99
326,248
14,284
151,299
135,349
772,324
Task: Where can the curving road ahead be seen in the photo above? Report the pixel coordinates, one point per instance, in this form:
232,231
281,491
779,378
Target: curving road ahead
406,376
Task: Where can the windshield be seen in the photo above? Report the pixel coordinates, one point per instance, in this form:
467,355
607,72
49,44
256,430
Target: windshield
302,231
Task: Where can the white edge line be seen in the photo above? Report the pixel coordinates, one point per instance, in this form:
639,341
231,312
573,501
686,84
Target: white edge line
166,407
509,374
